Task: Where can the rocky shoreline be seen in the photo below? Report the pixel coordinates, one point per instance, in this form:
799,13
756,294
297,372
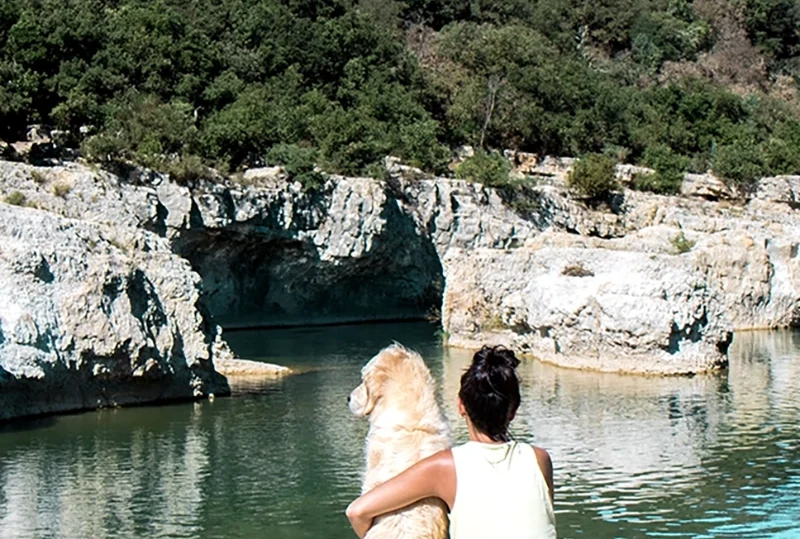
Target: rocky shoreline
645,284
95,316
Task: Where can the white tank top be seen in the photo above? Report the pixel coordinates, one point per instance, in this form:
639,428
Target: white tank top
500,493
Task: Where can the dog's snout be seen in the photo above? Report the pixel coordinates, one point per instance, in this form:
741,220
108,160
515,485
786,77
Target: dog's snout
348,399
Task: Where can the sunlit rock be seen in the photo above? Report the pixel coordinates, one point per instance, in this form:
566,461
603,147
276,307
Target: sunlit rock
784,189
588,304
358,249
706,186
95,316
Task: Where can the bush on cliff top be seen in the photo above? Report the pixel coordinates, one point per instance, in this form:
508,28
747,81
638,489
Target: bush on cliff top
593,176
167,81
298,163
669,170
488,168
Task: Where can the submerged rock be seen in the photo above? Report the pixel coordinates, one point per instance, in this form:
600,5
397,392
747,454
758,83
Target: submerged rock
94,316
233,368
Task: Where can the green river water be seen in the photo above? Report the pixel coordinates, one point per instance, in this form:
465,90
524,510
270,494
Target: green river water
709,456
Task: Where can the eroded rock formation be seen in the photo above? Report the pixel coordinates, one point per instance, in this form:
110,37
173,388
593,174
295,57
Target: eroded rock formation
587,303
645,283
92,315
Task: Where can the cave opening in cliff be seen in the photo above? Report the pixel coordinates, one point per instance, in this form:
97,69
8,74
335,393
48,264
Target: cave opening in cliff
251,280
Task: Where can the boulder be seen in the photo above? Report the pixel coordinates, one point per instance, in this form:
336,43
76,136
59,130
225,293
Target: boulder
551,170
234,368
781,189
94,316
589,306
522,163
706,186
268,174
627,173
7,152
39,133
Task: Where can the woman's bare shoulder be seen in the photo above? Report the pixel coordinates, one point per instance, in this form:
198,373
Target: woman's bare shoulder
441,460
541,455
546,467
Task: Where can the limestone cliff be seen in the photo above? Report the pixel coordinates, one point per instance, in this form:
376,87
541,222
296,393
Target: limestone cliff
92,315
656,285
646,283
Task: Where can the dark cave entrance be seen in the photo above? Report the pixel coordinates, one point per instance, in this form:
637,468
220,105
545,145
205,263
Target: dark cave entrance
257,279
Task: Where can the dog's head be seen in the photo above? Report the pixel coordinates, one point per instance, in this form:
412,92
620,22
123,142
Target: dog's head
395,375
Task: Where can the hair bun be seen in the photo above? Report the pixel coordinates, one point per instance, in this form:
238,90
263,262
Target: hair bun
497,356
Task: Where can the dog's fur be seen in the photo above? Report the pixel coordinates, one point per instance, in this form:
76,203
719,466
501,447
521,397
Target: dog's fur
406,424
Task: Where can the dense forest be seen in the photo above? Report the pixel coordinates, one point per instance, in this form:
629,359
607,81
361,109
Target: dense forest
182,84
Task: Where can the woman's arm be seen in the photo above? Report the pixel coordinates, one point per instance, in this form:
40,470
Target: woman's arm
546,466
433,476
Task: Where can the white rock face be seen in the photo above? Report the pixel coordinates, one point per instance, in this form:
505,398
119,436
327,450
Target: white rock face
705,185
265,173
784,189
589,306
360,249
641,305
92,315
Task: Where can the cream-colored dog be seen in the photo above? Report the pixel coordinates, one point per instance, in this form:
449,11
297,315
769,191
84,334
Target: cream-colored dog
398,395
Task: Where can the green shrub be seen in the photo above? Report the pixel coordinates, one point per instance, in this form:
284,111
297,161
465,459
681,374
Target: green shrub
780,149
102,148
185,169
421,148
740,165
488,168
781,157
378,172
15,198
299,164
594,176
669,170
681,244
38,177
143,129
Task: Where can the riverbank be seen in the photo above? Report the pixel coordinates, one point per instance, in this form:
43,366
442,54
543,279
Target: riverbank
643,283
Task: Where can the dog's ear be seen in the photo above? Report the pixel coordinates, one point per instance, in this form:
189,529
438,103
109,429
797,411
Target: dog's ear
375,380
371,388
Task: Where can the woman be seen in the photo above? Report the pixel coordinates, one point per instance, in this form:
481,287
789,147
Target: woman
493,487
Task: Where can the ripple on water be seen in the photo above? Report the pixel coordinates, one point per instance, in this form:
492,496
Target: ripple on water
704,457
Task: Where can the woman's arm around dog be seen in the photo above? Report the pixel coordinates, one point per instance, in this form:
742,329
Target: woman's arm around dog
434,476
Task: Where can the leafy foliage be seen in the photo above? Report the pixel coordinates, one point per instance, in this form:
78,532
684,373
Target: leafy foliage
298,163
681,243
741,164
669,170
183,84
16,198
490,169
594,176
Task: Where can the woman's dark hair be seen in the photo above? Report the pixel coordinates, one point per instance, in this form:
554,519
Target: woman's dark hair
490,391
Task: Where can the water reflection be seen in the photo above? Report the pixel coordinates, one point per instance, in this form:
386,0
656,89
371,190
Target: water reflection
707,456
103,475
